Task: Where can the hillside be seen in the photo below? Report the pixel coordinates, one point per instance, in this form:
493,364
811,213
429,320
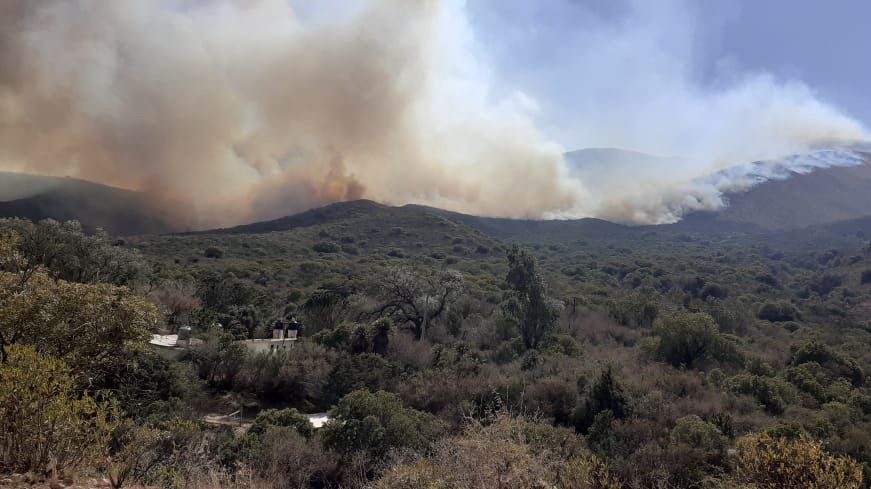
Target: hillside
823,196
820,197
119,211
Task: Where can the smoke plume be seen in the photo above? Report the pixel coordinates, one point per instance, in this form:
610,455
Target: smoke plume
227,111
642,75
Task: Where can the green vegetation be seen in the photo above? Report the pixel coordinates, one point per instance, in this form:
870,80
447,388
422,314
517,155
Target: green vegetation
446,351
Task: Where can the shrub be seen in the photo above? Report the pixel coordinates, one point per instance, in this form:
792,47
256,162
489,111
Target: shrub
562,344
697,433
282,417
396,253
326,247
44,421
289,460
376,423
779,311
350,249
505,453
865,278
213,252
715,291
353,372
780,463
825,284
685,338
607,394
804,379
836,364
771,393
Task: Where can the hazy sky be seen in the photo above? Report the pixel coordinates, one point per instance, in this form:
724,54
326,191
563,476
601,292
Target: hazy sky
551,49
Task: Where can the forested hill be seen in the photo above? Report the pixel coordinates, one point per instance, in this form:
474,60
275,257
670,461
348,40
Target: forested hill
118,211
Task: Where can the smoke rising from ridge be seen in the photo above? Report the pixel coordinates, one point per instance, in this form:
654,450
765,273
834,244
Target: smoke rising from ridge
639,75
233,110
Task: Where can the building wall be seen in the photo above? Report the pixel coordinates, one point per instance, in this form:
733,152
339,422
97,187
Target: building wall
267,345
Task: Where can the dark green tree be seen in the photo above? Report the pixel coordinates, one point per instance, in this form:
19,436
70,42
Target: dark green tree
685,338
376,422
535,312
607,394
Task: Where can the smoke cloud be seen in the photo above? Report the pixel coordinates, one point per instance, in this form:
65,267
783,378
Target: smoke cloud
230,111
227,111
642,75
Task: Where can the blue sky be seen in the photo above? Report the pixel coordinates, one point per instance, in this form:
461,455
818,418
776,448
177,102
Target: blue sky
580,58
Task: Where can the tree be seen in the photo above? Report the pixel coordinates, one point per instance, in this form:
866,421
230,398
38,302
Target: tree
44,422
69,254
529,304
375,423
92,327
178,299
417,298
325,307
607,394
779,311
220,359
685,338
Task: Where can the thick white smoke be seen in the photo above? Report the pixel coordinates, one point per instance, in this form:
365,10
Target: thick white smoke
232,110
636,74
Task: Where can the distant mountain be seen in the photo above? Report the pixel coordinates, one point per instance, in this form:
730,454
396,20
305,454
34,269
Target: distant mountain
796,200
119,211
809,189
598,167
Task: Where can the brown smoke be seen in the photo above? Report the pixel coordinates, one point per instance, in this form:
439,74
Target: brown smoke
234,110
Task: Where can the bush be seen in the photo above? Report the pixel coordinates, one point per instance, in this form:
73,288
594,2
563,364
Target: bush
44,422
505,453
607,394
865,278
213,252
825,284
694,432
326,247
375,423
290,418
563,345
780,463
779,311
685,338
771,393
836,364
715,291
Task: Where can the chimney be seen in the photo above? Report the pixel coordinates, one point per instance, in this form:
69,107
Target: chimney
278,329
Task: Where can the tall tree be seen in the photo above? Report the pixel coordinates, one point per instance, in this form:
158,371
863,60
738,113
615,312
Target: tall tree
68,253
416,298
91,327
530,305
